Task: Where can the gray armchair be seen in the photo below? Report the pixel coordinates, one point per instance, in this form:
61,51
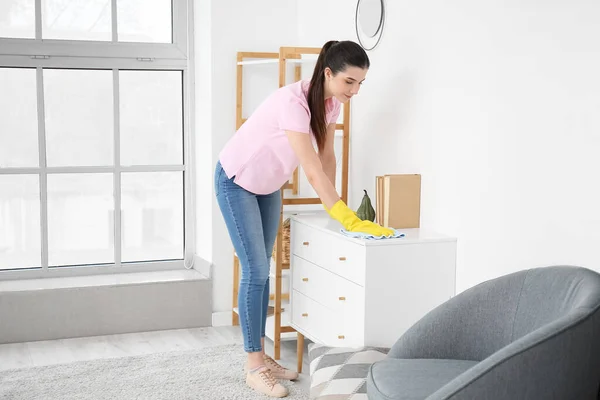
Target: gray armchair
533,334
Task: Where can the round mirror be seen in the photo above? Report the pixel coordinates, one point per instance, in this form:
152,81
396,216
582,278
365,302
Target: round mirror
369,20
370,16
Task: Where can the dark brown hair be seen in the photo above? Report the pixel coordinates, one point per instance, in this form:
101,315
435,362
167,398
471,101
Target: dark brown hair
337,56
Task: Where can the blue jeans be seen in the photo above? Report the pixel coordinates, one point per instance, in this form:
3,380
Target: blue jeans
252,221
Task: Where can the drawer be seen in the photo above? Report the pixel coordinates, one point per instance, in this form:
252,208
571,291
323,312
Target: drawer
322,324
329,251
327,288
307,314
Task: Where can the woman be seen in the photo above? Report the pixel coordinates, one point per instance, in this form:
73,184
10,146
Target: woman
258,160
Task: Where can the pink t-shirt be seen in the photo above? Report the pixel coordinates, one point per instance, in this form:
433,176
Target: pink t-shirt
259,153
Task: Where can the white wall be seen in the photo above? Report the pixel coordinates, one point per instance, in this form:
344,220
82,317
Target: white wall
203,92
223,28
496,105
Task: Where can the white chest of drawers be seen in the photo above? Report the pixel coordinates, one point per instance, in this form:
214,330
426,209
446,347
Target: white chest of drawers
354,292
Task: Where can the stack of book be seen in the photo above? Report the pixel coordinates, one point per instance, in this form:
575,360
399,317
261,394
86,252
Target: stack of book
398,201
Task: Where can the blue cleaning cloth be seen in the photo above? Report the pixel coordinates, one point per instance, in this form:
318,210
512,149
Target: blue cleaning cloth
362,235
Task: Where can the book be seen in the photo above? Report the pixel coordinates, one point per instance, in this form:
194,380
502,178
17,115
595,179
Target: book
398,201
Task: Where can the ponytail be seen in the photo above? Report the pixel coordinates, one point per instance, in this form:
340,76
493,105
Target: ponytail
316,97
335,55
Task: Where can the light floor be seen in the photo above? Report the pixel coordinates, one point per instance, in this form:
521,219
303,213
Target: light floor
28,354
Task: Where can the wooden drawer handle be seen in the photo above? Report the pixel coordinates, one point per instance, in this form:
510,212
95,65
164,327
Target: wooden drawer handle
342,298
305,243
304,279
342,258
305,314
341,337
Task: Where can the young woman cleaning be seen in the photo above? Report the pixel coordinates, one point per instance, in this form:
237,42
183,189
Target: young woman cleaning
258,160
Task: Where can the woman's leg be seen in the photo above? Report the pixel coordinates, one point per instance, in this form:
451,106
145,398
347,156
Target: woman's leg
243,220
270,208
242,216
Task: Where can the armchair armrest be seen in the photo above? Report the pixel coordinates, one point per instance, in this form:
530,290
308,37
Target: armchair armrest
470,326
552,362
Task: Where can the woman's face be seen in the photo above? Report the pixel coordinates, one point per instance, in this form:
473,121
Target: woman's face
344,84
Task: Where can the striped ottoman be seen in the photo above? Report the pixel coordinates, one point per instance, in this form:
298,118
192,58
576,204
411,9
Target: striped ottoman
340,373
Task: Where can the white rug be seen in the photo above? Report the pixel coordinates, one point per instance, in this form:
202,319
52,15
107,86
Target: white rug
203,374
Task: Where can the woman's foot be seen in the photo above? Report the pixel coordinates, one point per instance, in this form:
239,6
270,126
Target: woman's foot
262,380
278,371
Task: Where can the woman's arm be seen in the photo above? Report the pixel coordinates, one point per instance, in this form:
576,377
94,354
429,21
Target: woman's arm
335,206
327,156
313,168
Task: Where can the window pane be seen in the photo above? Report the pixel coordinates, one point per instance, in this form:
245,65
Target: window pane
152,216
17,19
18,118
77,19
19,222
79,117
151,117
80,219
144,21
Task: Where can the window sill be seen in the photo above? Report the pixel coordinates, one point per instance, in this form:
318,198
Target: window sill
70,282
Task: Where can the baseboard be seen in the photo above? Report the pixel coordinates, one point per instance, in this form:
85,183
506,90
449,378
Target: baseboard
222,318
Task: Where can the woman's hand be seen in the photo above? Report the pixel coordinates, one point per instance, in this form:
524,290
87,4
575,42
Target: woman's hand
341,212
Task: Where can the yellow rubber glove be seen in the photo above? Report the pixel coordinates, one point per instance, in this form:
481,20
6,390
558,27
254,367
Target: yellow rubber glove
342,213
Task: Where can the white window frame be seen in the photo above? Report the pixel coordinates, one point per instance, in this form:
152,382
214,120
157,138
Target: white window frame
177,56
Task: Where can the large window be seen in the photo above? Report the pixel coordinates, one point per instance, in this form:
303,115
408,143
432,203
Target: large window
94,133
